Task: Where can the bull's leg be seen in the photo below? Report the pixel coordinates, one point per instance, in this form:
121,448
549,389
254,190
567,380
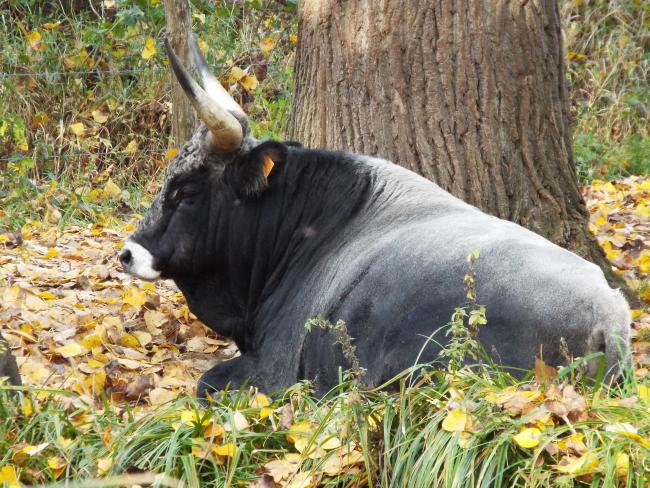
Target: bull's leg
232,374
8,365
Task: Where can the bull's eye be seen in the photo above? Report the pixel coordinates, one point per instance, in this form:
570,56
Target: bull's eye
185,195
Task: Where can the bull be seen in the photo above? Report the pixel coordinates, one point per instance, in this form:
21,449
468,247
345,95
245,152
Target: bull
262,236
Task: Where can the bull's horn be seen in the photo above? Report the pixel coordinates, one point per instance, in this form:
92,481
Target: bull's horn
227,132
210,82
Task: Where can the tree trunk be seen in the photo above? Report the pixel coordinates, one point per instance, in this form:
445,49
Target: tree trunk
178,17
468,93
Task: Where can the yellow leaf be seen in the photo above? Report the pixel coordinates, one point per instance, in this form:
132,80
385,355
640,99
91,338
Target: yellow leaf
644,393
213,430
69,62
57,465
299,430
266,45
330,442
111,190
104,465
127,340
46,295
158,396
134,297
35,41
249,82
77,129
203,46
51,253
51,25
149,48
27,407
455,421
265,412
8,475
622,464
144,338
574,56
626,430
235,74
228,450
131,148
585,464
93,363
70,350
91,341
64,442
644,262
642,210
99,117
29,451
260,400
528,437
170,153
293,39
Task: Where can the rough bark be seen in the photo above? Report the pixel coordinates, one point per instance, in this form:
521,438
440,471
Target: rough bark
178,17
468,93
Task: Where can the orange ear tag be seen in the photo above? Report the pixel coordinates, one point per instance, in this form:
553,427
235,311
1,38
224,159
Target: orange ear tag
268,166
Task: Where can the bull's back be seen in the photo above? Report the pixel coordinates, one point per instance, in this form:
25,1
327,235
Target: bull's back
399,280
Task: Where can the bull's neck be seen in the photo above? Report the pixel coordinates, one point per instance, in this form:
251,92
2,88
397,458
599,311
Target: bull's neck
315,199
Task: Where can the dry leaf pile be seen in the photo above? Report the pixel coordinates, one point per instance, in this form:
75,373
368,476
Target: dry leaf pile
620,220
77,322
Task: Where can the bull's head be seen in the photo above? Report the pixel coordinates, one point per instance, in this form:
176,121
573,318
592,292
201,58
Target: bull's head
216,168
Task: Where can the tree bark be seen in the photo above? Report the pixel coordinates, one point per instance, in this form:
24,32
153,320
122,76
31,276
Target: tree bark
178,17
468,93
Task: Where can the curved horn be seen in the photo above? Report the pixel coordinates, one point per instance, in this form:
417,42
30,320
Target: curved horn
227,132
210,82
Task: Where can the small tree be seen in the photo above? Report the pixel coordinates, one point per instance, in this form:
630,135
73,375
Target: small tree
178,15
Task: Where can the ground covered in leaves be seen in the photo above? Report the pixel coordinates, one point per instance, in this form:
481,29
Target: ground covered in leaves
102,354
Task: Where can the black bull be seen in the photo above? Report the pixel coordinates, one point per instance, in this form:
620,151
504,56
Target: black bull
372,244
261,237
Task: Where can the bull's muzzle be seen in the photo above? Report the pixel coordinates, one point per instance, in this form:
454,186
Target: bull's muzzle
138,261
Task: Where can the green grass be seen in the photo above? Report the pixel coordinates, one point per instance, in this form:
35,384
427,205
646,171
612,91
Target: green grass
608,67
400,436
89,70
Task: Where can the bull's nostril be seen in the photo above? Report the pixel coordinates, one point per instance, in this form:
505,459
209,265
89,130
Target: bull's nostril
126,257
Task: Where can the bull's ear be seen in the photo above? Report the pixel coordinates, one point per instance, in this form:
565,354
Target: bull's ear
249,174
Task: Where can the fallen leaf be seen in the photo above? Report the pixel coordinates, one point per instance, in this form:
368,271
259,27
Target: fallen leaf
35,40
149,49
455,421
70,350
159,396
77,129
266,45
8,475
528,437
104,465
57,465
